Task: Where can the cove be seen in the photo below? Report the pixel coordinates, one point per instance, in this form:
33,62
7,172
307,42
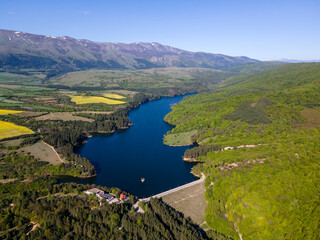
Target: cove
126,156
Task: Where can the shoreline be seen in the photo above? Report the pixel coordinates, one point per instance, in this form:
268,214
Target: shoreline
106,133
187,159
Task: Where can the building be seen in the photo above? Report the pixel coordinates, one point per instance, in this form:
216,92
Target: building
101,195
108,197
95,191
122,196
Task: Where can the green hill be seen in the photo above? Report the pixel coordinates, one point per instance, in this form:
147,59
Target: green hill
264,182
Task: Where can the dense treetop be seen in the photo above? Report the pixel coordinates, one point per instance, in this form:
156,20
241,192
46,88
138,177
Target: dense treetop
266,184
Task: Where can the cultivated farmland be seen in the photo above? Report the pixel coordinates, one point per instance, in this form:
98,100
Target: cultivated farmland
92,99
6,112
114,96
64,116
11,130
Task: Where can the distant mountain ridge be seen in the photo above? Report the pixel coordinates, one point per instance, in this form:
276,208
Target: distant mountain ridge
24,50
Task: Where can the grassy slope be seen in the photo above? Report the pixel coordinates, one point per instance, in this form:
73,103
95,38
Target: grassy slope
149,80
279,196
179,139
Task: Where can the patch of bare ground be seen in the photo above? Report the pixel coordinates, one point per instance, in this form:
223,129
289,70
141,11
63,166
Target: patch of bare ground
7,86
64,116
93,112
204,141
33,227
12,143
30,114
59,194
312,118
44,152
124,92
7,180
190,201
46,99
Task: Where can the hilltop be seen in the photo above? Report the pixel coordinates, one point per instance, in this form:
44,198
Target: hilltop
258,138
64,54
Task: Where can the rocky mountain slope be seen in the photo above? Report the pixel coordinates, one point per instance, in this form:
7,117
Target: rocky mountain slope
24,51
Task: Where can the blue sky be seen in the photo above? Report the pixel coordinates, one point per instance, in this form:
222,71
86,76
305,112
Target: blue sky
262,29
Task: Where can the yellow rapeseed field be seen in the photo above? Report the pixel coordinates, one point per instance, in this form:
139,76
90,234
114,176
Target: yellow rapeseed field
115,96
6,112
8,129
92,99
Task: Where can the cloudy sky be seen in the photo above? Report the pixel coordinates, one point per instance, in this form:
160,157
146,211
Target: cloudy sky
262,29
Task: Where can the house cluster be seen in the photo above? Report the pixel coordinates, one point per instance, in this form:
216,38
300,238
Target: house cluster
110,198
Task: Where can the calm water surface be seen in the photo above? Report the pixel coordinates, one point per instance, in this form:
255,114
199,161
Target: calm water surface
126,156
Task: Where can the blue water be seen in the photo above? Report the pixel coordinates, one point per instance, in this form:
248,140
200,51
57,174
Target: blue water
126,156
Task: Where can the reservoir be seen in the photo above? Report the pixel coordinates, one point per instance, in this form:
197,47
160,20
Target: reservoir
126,156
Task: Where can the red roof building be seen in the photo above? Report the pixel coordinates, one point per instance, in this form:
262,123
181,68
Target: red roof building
122,196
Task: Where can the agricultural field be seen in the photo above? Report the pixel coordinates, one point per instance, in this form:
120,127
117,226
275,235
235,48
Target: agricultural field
92,99
64,116
11,78
6,112
94,112
114,96
30,114
12,143
12,130
124,92
179,139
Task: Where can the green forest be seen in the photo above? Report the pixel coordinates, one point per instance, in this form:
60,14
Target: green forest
63,211
33,205
259,141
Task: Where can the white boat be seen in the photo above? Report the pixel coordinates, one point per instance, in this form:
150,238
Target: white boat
143,179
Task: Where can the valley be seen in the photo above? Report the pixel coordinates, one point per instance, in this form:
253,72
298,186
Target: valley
99,115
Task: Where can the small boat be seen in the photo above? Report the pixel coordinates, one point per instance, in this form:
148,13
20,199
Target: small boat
142,179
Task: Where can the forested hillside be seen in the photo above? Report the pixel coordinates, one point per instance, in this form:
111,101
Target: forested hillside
43,209
259,148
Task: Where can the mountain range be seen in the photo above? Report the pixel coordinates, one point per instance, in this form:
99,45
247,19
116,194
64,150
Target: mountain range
19,50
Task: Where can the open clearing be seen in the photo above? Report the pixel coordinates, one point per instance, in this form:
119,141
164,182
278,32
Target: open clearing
43,152
114,96
179,139
12,143
30,114
91,99
9,86
6,112
140,79
190,201
94,112
312,117
46,99
7,180
64,116
124,92
8,129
